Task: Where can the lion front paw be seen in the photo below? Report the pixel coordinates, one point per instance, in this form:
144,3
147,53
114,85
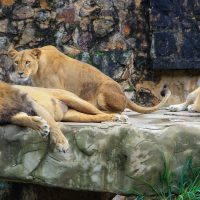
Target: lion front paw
177,108
120,118
62,144
41,125
63,147
191,108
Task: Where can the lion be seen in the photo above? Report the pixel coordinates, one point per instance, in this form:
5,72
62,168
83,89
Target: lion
192,103
50,68
41,108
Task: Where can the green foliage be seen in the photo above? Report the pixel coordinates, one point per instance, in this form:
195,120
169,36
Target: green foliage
189,187
141,197
188,183
129,89
99,53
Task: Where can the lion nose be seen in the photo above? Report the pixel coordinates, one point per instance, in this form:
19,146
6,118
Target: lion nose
20,73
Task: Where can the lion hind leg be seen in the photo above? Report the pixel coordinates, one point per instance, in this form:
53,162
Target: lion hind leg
111,102
34,122
80,105
75,116
75,102
110,98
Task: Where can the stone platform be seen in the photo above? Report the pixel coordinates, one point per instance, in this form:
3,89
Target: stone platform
115,157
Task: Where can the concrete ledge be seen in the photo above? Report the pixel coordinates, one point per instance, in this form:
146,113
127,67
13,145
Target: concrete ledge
114,157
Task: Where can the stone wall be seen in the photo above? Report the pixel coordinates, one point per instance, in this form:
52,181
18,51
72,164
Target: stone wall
103,33
176,41
174,28
125,39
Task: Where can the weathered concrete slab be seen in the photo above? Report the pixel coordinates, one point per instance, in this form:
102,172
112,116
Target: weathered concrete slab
114,157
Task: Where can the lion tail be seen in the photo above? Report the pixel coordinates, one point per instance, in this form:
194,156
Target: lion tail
140,109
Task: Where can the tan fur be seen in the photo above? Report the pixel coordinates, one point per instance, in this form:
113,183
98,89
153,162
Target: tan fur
50,68
11,103
192,103
21,105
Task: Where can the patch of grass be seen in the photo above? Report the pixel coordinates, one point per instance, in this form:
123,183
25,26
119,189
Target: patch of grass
187,185
141,197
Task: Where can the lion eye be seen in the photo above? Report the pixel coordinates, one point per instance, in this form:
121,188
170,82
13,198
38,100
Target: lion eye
16,62
28,62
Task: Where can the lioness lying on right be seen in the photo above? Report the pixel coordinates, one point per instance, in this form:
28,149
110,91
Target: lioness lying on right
39,108
192,103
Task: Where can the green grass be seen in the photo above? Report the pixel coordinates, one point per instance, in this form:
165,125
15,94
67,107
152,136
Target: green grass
188,183
189,186
185,186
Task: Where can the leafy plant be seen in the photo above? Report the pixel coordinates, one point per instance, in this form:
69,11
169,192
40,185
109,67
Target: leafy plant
188,183
189,187
99,53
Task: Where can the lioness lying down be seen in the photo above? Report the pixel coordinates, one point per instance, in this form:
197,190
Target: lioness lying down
39,108
192,103
50,68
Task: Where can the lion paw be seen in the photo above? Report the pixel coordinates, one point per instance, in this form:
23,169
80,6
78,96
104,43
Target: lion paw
62,145
191,108
177,108
120,118
41,126
63,148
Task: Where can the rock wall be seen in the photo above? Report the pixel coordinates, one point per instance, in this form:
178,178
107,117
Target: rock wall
125,39
102,33
175,41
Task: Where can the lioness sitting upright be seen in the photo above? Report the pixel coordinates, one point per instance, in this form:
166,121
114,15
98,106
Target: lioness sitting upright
50,68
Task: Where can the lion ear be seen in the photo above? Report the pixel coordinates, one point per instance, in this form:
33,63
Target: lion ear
12,53
36,53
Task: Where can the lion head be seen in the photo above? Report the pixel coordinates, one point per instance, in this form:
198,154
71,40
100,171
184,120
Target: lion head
25,63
